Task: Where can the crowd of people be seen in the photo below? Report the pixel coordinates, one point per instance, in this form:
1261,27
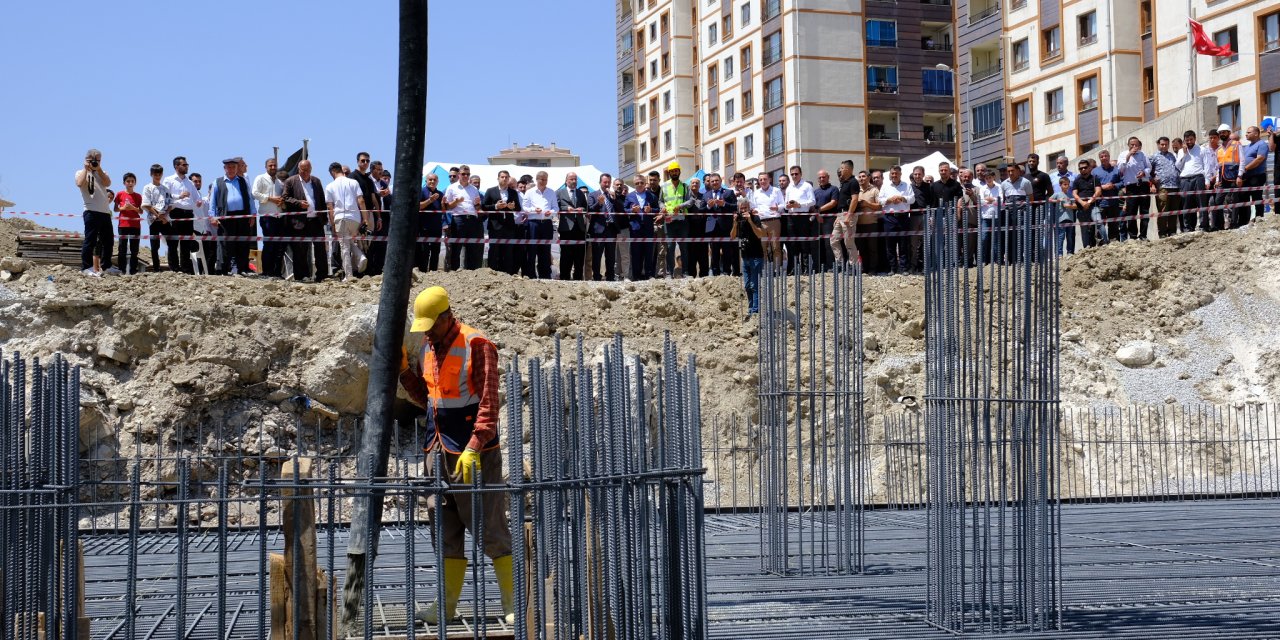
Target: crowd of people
615,231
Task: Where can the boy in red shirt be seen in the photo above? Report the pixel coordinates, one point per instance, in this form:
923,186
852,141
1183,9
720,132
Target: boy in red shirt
128,204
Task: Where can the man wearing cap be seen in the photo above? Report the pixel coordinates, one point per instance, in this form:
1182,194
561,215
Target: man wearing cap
232,196
675,204
458,383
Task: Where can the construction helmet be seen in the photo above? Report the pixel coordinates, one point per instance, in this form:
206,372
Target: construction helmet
674,166
428,306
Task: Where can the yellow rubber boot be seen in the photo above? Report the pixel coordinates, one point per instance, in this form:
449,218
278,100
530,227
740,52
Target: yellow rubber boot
455,571
502,568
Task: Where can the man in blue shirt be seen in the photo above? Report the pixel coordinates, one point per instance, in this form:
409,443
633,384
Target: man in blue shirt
1110,179
231,197
1253,174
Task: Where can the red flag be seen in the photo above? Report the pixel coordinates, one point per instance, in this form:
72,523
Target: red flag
1204,45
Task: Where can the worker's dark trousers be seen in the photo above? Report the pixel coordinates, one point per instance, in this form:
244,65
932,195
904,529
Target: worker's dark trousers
455,511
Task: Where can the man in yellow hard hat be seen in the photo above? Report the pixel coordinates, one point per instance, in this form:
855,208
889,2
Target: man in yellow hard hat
458,385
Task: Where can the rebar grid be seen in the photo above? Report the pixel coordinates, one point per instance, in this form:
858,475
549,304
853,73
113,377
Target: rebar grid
992,413
813,468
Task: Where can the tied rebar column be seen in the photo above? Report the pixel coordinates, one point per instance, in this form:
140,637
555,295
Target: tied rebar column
39,498
991,420
812,427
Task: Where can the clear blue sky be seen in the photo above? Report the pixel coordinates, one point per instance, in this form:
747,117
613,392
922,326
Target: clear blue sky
146,81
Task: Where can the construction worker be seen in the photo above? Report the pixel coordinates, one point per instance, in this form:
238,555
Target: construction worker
675,203
458,384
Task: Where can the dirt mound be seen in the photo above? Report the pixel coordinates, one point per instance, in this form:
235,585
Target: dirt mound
9,229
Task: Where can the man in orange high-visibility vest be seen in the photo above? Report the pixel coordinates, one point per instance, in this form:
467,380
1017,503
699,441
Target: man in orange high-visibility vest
458,385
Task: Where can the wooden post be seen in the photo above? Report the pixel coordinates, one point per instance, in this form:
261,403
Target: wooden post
279,597
299,519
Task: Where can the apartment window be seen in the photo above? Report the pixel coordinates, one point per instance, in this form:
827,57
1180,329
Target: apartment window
666,101
986,120
882,33
1087,24
1088,146
1144,16
1088,93
773,94
771,9
728,67
729,111
653,32
653,147
1227,37
713,119
1021,115
1051,43
1053,106
772,49
882,79
748,103
644,149
666,140
653,69
773,141
628,116
713,75
715,159
749,142
1021,55
628,84
1148,84
643,113
745,59
938,83
627,42
713,31
666,64
727,27
745,17
1230,114
1269,27
666,23
653,106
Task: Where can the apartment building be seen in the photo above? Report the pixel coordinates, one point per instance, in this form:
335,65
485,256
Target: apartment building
1081,74
760,85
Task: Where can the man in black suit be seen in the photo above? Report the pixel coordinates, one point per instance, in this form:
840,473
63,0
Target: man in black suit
500,204
606,219
303,203
721,204
573,202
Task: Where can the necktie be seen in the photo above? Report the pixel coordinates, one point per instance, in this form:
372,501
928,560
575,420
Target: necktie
608,203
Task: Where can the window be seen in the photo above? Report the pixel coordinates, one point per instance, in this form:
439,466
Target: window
749,142
666,23
627,42
1051,43
1088,93
1021,55
715,159
666,101
748,103
1272,100
938,83
713,75
1021,115
666,140
666,64
1230,114
729,110
1269,27
642,113
882,33
628,116
773,140
713,118
1229,38
727,27
745,18
1053,106
653,106
653,69
628,83
771,9
1088,146
987,119
653,147
713,33
728,67
1144,16
1148,84
773,94
882,79
1087,24
730,153
745,59
772,48
653,32
644,149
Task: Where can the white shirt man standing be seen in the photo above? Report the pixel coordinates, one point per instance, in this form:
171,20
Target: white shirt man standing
540,204
183,196
268,191
767,203
463,201
346,213
896,198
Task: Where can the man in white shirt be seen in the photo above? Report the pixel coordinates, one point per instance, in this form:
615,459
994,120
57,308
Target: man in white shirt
990,205
1016,192
767,203
800,219
896,198
346,213
183,196
1209,153
268,191
541,206
1191,162
1137,187
205,226
466,232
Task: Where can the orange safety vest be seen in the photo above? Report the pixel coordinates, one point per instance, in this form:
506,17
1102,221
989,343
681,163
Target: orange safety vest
453,391
1229,154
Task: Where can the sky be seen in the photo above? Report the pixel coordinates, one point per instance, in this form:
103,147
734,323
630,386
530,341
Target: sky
147,81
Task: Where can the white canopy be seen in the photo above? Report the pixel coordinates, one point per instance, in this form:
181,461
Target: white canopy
929,163
588,175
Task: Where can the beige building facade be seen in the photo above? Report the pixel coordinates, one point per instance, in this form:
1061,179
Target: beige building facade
536,155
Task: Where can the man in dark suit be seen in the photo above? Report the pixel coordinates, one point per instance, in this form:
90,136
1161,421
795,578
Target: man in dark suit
721,204
605,215
303,203
641,205
500,206
573,202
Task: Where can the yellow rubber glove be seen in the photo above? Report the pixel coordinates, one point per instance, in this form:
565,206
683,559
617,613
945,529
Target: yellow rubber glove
468,465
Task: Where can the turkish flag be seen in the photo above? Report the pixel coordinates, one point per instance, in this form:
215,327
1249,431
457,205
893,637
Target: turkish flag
1206,46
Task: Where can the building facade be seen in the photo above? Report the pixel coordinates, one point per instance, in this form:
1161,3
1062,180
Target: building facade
536,155
759,85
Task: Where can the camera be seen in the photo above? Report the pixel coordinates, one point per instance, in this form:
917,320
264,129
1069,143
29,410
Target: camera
93,163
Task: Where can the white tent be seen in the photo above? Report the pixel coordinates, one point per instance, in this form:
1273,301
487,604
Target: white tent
588,175
929,163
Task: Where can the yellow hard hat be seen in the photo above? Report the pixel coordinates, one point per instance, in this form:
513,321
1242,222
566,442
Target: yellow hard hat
428,306
674,166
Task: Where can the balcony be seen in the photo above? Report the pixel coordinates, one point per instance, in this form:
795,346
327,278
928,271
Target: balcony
883,125
935,36
935,46
882,87
979,11
991,132
983,73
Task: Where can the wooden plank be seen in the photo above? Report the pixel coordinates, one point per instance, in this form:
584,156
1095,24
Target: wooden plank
299,524
279,597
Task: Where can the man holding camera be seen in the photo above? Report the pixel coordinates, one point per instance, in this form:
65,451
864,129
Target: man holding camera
95,251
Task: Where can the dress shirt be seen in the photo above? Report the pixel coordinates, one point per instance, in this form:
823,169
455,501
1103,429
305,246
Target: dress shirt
235,203
467,194
309,190
266,186
1210,159
1164,170
176,186
1071,179
1133,164
535,199
991,196
344,196
200,216
802,193
889,190
1191,162
763,200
